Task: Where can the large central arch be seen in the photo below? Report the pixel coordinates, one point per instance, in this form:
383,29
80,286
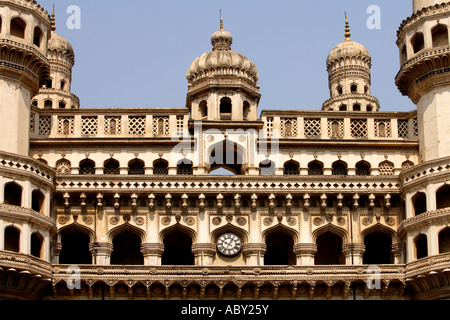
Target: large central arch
227,155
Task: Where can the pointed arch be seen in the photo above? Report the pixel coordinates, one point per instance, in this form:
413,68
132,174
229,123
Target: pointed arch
11,239
13,194
127,241
280,242
160,167
228,155
419,203
36,244
315,168
378,241
87,167
421,246
267,168
63,166
439,35
184,167
177,242
291,168
126,227
18,27
363,168
339,168
38,201
136,167
111,166
443,197
444,240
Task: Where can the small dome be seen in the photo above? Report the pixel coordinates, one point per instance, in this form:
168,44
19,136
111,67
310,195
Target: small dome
348,49
222,60
58,43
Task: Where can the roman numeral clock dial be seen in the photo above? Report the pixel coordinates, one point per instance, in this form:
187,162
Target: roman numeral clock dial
229,244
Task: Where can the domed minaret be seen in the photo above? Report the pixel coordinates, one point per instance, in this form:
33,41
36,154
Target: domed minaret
223,84
56,92
424,76
24,30
348,66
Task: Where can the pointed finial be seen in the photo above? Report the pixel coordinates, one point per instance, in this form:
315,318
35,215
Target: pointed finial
52,19
221,20
347,28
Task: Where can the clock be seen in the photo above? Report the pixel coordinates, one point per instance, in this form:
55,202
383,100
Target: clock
229,244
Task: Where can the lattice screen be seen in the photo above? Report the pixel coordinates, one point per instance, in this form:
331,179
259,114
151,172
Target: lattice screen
45,125
416,127
113,126
359,128
383,129
136,125
161,126
335,128
63,167
386,168
180,126
403,129
32,122
65,125
313,128
289,127
89,126
269,127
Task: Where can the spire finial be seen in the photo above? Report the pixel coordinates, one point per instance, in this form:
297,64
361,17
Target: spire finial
52,19
221,20
347,28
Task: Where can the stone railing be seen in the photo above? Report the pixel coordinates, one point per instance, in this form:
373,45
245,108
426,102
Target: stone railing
430,217
24,262
24,214
335,126
425,170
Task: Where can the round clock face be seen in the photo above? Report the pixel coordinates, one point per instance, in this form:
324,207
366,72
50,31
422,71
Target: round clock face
229,244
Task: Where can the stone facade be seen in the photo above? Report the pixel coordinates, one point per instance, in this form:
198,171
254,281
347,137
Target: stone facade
347,202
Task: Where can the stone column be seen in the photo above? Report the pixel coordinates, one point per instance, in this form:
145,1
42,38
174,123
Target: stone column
254,253
152,253
101,252
204,253
305,253
355,250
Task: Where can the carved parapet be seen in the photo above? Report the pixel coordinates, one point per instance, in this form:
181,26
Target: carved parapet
148,249
302,249
254,248
208,249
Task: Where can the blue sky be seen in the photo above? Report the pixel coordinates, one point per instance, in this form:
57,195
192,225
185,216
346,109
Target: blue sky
135,53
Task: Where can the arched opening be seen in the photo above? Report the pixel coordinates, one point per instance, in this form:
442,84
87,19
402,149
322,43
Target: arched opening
136,167
246,110
378,249
386,168
329,250
421,247
369,108
12,239
439,35
343,107
335,129
18,27
184,168
417,42
37,36
225,109
34,103
404,55
280,249
13,194
177,249
443,197
315,168
363,168
227,155
203,109
36,244
444,240
75,247
63,166
419,202
111,166
339,168
48,104
62,105
127,249
37,201
339,90
291,168
267,168
160,167
62,85
357,107
354,88
87,167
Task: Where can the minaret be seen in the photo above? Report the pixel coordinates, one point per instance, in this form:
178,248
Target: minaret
348,66
223,84
24,66
56,93
424,75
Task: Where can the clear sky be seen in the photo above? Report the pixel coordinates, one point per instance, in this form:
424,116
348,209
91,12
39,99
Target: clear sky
135,53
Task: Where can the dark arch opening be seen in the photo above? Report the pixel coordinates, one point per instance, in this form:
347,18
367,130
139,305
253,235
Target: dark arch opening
280,249
203,108
439,35
184,168
37,201
136,167
419,202
378,249
177,249
13,194
315,168
421,246
160,167
443,197
329,250
225,109
111,166
36,245
266,168
127,249
363,168
12,239
75,247
291,168
37,36
339,168
227,155
18,27
87,167
418,42
444,241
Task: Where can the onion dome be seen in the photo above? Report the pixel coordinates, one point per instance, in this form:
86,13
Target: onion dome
222,60
58,44
348,49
